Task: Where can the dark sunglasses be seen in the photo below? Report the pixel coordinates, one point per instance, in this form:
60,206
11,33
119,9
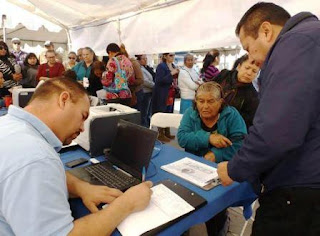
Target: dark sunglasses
3,48
17,43
171,55
72,58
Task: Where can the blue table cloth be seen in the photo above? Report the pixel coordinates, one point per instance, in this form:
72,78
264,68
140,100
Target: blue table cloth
218,198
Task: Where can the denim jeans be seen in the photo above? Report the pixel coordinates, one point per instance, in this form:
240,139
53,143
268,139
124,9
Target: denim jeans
146,109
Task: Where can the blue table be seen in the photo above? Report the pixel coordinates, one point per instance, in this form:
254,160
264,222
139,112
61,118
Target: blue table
218,198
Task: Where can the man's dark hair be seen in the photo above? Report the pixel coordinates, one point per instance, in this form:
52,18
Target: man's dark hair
56,86
259,13
70,74
113,47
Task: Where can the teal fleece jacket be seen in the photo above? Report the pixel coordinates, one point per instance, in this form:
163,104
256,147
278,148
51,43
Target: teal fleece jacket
196,140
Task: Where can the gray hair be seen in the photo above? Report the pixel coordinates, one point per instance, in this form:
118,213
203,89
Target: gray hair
210,87
187,56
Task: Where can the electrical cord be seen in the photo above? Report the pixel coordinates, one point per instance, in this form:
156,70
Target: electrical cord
157,149
152,170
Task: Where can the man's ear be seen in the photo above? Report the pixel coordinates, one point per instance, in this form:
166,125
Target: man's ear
266,31
63,98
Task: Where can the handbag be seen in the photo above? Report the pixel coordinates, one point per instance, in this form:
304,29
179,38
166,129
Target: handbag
120,79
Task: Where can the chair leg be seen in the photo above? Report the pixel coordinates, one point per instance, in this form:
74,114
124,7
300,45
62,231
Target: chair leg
167,133
162,136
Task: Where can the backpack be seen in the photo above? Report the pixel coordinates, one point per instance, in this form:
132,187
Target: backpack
120,79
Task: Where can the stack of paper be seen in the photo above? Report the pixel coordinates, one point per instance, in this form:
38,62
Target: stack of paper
193,171
165,206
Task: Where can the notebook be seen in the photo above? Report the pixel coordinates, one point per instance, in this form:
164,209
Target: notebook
130,151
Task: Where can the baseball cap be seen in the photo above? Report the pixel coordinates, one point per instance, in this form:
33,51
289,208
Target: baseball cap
15,40
47,43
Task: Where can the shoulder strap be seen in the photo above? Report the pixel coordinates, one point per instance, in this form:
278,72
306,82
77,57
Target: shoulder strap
189,74
118,64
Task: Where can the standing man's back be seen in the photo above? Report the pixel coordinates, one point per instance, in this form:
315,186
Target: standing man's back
282,149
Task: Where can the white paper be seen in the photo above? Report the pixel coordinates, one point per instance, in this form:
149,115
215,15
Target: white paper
165,205
196,172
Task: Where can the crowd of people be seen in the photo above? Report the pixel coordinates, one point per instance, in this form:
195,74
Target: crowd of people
126,80
271,142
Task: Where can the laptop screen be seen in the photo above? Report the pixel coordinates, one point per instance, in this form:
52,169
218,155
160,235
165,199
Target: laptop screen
132,147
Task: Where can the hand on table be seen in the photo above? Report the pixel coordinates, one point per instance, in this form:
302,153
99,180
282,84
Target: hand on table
93,195
219,141
223,174
210,156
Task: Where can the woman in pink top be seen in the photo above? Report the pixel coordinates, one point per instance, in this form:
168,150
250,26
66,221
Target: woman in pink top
118,61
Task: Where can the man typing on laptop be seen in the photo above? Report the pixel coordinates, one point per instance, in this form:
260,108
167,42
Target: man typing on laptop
34,187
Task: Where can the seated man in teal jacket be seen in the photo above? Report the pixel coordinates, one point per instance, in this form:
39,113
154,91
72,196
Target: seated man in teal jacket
211,129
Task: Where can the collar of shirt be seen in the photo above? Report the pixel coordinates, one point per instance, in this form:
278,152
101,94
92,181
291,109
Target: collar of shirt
37,124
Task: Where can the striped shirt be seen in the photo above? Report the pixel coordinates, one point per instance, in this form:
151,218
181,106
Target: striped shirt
210,73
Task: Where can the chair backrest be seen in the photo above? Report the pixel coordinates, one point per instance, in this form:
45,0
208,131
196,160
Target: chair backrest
164,120
94,101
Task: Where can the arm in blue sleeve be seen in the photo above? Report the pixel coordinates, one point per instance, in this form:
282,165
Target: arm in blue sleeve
236,128
289,105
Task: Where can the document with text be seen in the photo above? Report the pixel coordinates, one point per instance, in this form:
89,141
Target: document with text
165,206
193,171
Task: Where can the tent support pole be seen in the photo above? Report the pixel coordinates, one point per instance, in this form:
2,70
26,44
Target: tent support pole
69,46
4,17
119,30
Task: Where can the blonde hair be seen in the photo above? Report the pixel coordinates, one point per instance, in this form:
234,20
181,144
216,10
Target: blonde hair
123,50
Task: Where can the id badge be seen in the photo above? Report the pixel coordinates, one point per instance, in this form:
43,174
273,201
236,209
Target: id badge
85,82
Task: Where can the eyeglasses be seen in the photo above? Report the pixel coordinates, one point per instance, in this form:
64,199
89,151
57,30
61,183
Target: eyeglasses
17,43
72,58
171,55
3,48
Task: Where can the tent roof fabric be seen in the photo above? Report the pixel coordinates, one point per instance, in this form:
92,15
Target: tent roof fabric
144,26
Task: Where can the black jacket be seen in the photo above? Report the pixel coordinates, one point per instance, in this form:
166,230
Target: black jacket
239,95
94,84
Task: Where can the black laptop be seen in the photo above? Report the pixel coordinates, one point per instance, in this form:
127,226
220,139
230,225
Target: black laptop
130,151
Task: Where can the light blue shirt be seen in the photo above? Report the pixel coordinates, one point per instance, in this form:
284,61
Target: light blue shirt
33,189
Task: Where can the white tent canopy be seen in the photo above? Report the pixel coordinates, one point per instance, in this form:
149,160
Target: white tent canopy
148,26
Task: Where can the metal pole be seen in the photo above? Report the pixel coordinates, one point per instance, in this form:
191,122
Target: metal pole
4,17
69,40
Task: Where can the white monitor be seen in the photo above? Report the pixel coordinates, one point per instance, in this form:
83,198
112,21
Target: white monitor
21,96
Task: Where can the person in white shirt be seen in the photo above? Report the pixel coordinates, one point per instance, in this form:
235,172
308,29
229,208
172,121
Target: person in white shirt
188,82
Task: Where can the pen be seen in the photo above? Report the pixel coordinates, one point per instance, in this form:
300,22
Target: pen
143,174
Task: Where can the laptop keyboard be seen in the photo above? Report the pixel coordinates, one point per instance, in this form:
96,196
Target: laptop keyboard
111,177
